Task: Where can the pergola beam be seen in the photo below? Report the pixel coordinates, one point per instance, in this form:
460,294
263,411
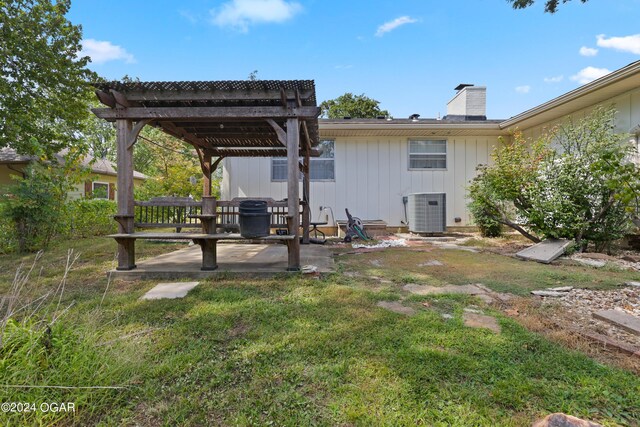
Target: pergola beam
210,113
176,132
241,152
216,95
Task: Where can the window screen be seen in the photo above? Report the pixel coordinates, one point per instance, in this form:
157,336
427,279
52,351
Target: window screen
428,154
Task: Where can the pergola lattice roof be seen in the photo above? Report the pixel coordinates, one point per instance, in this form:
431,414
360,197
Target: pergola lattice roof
225,118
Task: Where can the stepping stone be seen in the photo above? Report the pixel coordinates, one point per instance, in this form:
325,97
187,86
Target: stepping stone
545,251
486,298
620,319
169,290
564,420
636,284
431,263
448,289
476,320
396,307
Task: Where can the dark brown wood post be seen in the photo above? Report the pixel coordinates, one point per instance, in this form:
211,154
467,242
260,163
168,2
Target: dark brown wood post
293,193
208,217
126,134
206,169
306,209
126,247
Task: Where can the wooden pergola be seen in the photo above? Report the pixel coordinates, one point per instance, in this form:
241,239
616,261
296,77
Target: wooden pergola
261,118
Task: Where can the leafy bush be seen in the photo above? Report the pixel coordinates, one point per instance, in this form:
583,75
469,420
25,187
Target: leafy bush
8,237
35,205
576,182
91,217
35,210
483,216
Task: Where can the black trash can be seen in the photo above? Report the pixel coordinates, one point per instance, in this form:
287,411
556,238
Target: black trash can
254,219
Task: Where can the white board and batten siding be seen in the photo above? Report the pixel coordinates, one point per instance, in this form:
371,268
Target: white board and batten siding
371,177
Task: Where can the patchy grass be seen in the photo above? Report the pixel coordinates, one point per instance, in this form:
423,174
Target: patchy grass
297,351
500,273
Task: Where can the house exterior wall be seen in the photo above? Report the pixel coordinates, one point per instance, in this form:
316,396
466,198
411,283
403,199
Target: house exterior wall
371,177
6,172
627,106
76,193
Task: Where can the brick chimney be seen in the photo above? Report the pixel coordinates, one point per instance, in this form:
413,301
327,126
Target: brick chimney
469,103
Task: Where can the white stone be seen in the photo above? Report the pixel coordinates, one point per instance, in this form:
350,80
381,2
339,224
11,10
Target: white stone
561,289
549,293
591,262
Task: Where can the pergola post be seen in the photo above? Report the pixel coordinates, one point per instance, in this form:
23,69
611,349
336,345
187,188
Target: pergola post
306,184
206,169
293,192
125,217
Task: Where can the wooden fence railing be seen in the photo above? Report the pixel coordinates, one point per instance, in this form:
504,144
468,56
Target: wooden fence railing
178,212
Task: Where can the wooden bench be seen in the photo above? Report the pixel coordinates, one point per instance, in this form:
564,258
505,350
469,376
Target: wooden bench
204,214
207,242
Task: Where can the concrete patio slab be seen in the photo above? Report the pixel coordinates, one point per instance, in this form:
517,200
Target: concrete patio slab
254,259
169,290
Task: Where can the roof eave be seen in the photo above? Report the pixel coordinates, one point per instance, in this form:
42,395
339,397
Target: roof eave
579,92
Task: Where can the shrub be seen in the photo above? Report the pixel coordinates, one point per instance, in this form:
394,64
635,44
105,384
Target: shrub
483,215
91,217
35,206
576,182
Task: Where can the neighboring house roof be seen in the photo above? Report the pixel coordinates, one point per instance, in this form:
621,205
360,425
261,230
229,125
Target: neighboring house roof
600,90
99,166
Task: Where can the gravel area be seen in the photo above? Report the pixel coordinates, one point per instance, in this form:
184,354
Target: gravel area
581,303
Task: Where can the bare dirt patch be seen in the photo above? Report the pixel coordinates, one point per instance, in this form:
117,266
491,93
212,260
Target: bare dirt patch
552,319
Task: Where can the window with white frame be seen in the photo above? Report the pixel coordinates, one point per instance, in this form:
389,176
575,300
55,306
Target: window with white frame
428,154
100,190
321,168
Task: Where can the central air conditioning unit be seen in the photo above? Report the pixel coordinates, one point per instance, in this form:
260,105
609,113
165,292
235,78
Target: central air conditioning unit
427,212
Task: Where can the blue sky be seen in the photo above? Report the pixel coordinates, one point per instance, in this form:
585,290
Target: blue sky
407,54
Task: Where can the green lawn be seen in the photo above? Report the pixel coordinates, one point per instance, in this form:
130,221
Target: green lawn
298,351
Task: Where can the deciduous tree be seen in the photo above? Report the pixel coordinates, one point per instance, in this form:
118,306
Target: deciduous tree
577,182
44,89
355,106
550,6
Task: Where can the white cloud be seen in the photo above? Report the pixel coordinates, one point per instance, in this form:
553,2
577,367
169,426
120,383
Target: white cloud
104,51
392,25
523,89
588,51
554,79
589,74
343,67
240,14
188,16
629,44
